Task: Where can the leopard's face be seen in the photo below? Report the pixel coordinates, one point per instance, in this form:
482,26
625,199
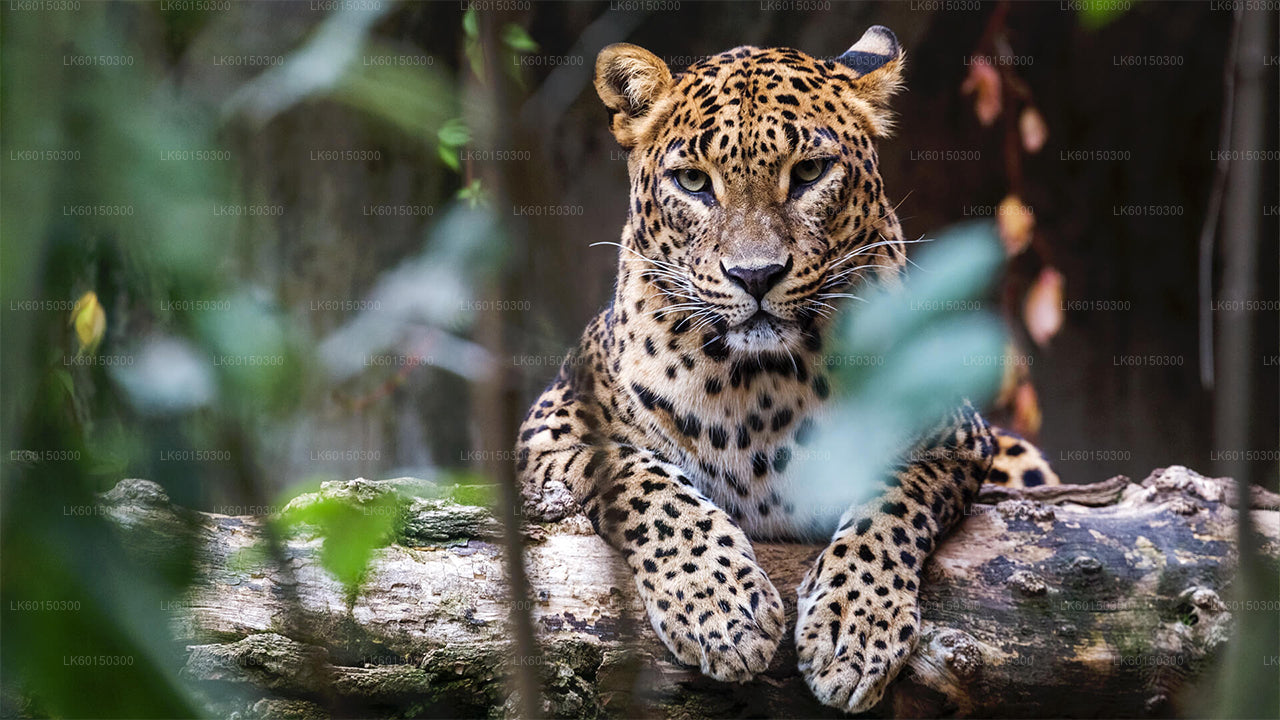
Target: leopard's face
756,200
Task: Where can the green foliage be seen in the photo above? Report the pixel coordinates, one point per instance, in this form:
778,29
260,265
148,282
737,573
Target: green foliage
452,137
469,489
228,362
1096,15
900,361
351,532
517,38
263,367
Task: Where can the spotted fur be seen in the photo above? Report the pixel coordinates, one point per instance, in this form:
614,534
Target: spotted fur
756,205
1019,463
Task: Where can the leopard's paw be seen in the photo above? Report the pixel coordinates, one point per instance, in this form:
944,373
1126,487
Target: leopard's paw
856,625
721,614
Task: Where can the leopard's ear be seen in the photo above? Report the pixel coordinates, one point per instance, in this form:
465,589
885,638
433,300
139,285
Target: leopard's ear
630,81
879,61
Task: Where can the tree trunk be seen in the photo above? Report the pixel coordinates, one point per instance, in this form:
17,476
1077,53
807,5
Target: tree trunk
1104,599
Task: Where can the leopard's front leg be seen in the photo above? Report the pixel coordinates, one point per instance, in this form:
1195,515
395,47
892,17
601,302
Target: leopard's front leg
706,596
858,616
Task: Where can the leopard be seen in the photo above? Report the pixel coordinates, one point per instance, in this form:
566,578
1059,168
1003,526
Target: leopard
755,201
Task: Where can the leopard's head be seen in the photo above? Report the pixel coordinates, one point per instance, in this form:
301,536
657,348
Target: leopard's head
756,199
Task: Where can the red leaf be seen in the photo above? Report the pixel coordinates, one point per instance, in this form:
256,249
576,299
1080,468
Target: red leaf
984,81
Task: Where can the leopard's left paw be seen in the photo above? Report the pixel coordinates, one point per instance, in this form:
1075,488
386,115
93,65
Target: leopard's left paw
856,626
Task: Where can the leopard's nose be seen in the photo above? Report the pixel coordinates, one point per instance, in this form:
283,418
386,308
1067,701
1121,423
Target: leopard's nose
757,280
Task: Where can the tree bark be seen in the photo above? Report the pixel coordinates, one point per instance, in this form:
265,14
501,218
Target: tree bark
1104,599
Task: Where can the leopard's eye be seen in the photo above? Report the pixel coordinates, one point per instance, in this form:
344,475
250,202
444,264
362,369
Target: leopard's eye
694,181
808,171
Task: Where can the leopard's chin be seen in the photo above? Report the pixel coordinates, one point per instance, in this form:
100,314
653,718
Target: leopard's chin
763,333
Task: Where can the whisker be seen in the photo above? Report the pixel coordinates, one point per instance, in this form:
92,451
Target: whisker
659,263
864,249
843,295
904,199
711,319
674,308
713,339
795,368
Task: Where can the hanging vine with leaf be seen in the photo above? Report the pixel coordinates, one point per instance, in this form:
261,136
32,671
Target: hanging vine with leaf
1001,97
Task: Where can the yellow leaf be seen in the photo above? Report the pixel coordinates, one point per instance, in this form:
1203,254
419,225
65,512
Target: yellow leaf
1013,374
984,82
90,322
1032,129
1043,309
1026,411
1016,222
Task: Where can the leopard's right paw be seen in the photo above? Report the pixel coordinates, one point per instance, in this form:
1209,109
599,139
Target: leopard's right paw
855,628
718,612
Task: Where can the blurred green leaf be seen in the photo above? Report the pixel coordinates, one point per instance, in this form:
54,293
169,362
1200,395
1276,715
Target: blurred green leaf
249,560
470,23
1095,15
449,156
517,38
254,350
474,194
475,57
454,133
473,490
351,535
899,363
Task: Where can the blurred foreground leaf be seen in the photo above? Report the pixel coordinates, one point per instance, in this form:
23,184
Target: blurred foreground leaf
351,534
898,363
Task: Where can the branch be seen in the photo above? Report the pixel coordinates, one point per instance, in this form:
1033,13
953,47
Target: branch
1117,587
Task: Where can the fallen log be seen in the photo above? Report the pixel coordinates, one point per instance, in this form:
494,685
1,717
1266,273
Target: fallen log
1120,588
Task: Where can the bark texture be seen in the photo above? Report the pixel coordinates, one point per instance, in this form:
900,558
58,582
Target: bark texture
1105,599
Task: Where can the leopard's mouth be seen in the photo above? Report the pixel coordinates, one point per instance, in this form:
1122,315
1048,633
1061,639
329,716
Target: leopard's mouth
762,321
760,318
762,332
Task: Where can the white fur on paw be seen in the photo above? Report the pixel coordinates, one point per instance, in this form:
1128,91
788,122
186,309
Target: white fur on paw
849,644
732,635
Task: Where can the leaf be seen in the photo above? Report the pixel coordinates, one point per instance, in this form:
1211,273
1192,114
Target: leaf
254,353
1042,312
90,322
1033,130
454,133
474,493
351,535
475,57
449,156
1016,221
984,82
474,194
516,38
1096,15
470,25
898,363
1026,410
1011,377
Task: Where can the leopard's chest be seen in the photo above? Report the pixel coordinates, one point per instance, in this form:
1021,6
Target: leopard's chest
737,427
